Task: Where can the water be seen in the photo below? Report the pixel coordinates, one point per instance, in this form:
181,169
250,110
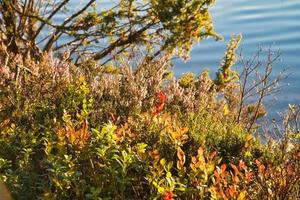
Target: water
267,23
273,23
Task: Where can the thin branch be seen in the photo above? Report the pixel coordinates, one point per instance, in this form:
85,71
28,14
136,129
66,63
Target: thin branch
121,42
54,36
50,17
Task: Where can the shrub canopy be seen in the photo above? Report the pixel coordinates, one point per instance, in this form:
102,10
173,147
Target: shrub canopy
31,27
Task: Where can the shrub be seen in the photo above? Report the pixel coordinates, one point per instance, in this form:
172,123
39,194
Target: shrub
134,131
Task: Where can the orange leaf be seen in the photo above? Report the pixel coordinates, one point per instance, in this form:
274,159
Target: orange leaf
70,134
217,175
201,155
212,155
261,167
232,191
223,168
78,137
194,160
84,133
5,123
236,170
248,176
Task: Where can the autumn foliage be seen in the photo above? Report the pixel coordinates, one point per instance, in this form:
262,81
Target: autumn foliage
125,127
68,133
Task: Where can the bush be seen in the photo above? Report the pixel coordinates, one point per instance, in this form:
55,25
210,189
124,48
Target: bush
109,132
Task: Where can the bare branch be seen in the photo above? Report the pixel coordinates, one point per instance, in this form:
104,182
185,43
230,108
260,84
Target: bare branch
55,36
50,17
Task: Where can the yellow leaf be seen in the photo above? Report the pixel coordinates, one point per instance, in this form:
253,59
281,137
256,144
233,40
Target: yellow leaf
168,175
161,190
81,79
242,195
226,110
194,160
210,167
163,162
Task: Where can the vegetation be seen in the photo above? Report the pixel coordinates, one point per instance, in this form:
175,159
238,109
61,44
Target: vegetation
116,124
167,25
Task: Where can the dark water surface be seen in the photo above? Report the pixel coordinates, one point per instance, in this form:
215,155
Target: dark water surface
264,23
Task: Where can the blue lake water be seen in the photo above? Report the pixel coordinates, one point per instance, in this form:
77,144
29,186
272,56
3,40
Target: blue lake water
267,23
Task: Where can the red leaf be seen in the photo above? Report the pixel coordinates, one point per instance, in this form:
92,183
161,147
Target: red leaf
159,102
168,196
161,97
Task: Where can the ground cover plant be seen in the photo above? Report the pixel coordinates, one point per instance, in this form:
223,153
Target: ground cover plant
117,124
